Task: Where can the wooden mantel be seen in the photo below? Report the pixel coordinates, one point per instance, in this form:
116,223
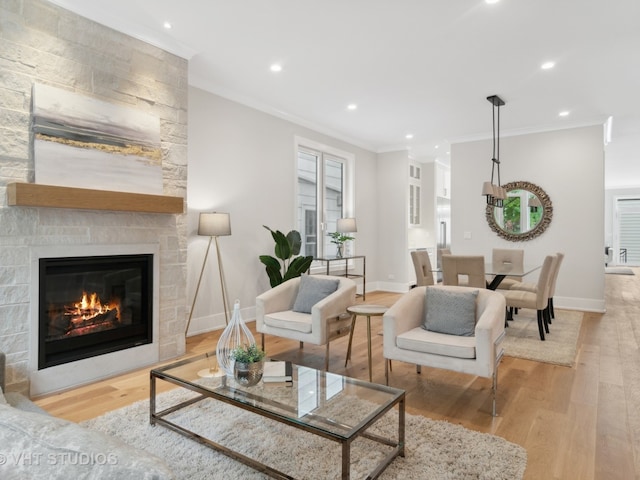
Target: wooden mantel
35,195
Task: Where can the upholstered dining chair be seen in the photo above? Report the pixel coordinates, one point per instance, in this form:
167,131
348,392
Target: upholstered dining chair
514,256
533,287
537,300
469,266
453,328
310,308
422,266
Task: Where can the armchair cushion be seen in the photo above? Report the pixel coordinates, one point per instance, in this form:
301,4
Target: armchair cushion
312,290
450,312
290,320
424,341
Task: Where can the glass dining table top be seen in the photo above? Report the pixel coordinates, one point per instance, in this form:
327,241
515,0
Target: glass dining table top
511,269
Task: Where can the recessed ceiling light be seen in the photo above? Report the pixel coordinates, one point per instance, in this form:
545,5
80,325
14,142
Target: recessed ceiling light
276,67
409,136
564,113
436,146
167,25
491,1
352,106
547,65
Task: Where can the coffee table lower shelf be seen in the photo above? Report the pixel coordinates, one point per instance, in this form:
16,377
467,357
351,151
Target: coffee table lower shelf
159,418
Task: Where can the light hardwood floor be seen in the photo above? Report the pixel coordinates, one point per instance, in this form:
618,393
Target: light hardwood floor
573,422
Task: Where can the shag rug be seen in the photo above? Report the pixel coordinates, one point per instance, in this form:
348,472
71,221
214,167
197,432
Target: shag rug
522,339
433,449
619,270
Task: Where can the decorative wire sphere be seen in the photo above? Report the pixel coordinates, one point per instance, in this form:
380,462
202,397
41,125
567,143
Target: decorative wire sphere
235,334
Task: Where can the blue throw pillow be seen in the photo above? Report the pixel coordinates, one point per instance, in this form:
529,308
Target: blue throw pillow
312,290
451,312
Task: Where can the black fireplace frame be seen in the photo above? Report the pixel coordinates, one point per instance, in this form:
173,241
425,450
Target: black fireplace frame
98,343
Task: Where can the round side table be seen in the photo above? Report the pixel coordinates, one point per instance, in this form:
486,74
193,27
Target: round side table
364,311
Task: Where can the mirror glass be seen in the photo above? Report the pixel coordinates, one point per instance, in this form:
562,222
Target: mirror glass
525,214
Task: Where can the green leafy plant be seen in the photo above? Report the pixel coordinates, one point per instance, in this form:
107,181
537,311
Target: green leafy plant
287,264
339,238
247,353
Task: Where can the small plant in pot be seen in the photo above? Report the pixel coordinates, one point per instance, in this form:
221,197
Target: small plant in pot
248,364
339,239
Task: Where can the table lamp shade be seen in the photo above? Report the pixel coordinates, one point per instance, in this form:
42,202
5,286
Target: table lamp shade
346,225
214,224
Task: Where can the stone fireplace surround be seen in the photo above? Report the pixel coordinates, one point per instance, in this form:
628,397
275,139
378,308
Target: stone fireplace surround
90,369
49,45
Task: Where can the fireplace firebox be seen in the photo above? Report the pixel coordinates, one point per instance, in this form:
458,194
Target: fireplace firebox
93,305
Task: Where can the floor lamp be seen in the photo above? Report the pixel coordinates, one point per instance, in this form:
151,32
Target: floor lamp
213,225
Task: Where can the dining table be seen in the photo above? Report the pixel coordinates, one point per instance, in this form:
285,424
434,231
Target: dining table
501,270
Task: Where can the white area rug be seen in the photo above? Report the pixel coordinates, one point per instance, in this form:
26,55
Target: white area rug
560,345
619,270
434,449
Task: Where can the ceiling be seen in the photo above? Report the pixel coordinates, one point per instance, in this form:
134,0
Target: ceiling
420,67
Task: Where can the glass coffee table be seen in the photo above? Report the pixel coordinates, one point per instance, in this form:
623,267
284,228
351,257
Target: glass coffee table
332,406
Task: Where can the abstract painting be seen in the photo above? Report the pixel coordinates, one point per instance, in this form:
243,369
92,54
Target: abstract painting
83,142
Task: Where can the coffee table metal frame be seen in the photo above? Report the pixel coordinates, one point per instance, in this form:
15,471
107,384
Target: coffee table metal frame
158,417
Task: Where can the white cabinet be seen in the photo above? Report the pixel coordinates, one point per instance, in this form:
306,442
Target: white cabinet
415,195
443,180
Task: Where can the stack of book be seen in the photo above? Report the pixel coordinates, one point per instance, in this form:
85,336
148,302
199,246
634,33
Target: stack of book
277,371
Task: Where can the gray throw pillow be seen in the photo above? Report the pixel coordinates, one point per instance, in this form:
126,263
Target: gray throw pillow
450,312
312,290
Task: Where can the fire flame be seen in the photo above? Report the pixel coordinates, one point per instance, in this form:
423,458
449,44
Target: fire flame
90,306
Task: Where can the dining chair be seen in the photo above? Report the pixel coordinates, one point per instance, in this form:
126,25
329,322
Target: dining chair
422,266
532,287
514,256
471,266
537,300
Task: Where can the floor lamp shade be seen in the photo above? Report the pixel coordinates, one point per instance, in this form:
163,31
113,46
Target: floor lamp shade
214,224
346,225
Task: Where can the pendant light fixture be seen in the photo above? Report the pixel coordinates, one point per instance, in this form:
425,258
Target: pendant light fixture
494,193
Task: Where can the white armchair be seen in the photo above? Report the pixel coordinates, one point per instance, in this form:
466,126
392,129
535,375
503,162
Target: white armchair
328,318
406,340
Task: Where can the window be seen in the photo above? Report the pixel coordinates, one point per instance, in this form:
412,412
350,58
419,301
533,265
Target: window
323,194
627,240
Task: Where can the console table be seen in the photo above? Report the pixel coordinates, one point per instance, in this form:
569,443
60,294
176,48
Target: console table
329,259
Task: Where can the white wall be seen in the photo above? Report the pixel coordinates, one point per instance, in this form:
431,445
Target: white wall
242,161
569,166
393,196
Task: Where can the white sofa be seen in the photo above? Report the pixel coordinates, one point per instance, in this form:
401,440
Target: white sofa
406,340
35,445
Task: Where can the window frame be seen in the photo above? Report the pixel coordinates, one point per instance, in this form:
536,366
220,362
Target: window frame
348,188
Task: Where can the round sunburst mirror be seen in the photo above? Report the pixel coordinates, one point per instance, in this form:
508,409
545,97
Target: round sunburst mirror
526,212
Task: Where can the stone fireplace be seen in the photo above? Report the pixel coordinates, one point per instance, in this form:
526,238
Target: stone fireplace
77,54
94,313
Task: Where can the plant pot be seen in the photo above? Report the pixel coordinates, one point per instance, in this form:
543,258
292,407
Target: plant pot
248,374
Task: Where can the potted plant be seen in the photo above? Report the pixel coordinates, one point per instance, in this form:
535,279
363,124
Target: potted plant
338,239
248,364
286,248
